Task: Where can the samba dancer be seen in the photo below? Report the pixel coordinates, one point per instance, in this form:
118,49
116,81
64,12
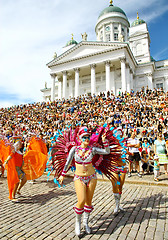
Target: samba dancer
85,178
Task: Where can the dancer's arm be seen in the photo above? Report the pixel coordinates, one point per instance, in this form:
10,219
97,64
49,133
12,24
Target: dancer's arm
7,160
102,151
67,164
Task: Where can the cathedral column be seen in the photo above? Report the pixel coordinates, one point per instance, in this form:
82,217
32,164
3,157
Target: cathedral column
150,80
93,79
107,64
71,88
104,35
165,84
64,95
126,34
123,74
53,76
112,79
112,32
76,82
134,82
128,86
59,89
119,29
131,79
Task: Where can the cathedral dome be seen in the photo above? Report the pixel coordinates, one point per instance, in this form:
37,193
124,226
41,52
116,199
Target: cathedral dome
112,25
71,42
138,21
110,9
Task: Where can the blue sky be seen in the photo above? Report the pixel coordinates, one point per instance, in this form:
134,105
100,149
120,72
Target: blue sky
31,31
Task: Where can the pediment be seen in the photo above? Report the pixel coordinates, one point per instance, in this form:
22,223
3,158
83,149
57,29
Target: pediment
85,49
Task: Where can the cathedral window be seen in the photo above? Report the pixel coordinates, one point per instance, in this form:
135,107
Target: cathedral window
108,39
107,28
115,36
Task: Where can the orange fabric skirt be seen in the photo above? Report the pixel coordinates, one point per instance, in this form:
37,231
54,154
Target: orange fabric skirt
38,145
34,164
33,167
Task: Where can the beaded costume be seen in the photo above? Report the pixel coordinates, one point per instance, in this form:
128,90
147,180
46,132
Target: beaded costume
106,157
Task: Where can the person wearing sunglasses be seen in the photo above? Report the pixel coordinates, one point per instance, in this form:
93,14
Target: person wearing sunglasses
85,178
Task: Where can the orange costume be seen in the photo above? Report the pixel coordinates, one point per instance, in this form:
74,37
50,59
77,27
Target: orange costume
32,163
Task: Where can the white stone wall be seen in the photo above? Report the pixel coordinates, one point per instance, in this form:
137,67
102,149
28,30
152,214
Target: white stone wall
139,41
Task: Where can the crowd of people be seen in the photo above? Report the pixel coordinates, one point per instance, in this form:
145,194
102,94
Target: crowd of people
131,126
142,113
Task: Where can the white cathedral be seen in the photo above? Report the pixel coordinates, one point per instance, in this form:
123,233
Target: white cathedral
119,60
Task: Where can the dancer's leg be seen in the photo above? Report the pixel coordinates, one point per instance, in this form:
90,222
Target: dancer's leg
120,187
80,188
22,183
114,183
116,191
14,190
88,204
90,191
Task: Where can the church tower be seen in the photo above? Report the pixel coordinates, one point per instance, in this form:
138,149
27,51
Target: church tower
139,40
112,25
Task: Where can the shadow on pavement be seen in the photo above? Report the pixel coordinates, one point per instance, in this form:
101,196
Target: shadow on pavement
134,214
43,198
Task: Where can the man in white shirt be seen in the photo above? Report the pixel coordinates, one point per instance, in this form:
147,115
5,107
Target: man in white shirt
133,147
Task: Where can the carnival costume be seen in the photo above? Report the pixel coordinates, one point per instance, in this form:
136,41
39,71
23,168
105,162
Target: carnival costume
31,164
106,157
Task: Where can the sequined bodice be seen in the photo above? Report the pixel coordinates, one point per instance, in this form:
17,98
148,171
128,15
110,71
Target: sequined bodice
86,157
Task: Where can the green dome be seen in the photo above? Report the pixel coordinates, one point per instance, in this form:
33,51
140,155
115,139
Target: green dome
71,42
111,8
137,21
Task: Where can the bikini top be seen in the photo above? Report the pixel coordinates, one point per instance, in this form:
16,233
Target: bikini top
85,158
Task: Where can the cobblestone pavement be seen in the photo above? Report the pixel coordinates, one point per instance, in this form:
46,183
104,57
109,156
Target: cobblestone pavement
45,212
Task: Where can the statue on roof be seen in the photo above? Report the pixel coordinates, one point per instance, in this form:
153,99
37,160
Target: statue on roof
55,55
84,36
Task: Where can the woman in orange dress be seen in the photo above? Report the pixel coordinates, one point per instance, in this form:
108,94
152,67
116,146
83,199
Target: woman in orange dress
21,168
15,174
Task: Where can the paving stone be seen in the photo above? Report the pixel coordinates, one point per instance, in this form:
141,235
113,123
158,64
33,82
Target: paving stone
140,236
46,212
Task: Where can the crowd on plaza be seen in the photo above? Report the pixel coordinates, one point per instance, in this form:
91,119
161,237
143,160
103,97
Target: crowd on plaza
142,114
